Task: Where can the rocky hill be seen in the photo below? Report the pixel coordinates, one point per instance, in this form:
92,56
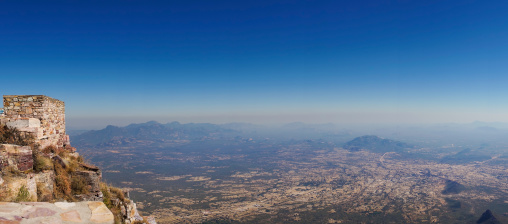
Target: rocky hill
488,218
376,144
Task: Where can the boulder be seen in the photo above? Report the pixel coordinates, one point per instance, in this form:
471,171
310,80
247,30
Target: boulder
59,160
150,220
132,213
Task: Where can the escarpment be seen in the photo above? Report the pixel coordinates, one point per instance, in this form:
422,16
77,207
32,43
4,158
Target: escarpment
38,164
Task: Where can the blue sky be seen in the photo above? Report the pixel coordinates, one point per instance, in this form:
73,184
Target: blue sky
117,62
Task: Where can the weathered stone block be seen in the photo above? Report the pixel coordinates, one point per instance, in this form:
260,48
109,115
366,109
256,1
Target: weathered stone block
20,123
31,185
45,184
16,156
13,186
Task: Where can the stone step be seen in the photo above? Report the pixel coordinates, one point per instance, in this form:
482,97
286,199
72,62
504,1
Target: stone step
55,213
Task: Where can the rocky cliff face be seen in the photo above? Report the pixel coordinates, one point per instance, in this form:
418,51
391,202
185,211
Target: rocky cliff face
34,175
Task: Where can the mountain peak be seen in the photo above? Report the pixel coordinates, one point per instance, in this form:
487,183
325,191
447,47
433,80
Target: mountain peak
488,218
376,144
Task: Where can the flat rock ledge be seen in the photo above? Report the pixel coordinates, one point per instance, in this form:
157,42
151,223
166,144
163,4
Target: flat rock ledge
55,213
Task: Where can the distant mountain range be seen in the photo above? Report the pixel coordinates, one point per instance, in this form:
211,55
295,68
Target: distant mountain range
376,144
151,133
156,134
475,135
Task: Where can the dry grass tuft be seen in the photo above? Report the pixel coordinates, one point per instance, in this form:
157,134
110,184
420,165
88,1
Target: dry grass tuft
79,185
13,136
63,189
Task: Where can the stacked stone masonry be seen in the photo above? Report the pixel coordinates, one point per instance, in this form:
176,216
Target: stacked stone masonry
42,116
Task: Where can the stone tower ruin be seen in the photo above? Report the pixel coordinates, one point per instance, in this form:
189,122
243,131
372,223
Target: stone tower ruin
38,115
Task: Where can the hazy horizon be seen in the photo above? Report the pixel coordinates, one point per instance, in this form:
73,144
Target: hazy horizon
100,123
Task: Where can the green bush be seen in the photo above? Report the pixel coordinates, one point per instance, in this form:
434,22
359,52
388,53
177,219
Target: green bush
106,195
23,194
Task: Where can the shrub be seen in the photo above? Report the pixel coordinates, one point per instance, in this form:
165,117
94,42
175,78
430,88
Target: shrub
109,194
62,153
49,149
42,163
117,214
73,165
63,188
80,159
106,195
8,172
5,194
13,136
23,194
63,185
118,193
79,185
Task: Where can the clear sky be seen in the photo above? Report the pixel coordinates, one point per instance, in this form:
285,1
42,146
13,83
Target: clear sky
117,62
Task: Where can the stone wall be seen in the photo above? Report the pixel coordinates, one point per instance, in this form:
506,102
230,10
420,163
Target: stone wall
50,112
15,156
